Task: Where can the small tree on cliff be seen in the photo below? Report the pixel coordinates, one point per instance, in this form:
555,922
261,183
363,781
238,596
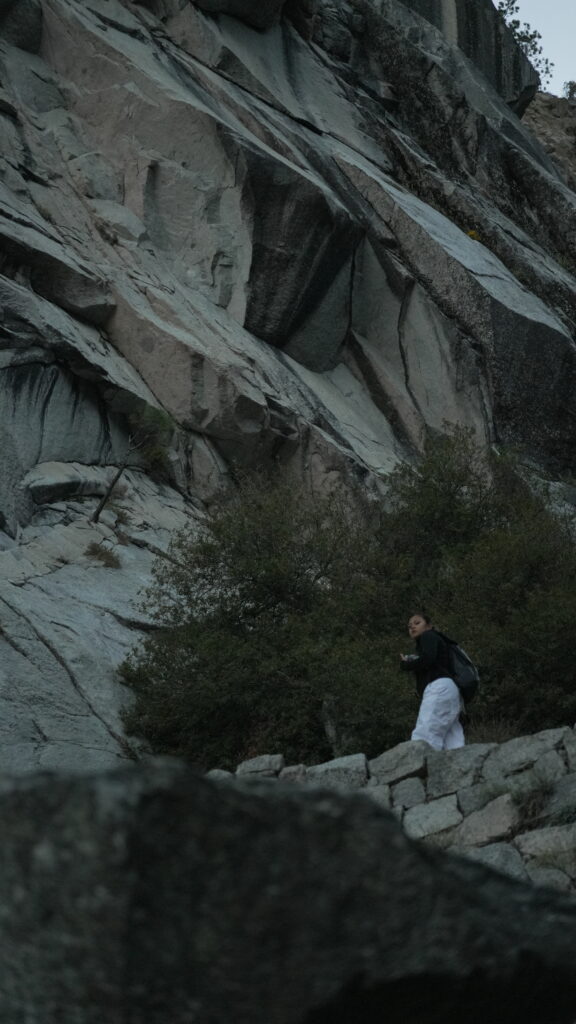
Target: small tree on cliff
527,38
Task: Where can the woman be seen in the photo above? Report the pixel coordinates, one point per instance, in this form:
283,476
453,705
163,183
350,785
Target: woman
438,720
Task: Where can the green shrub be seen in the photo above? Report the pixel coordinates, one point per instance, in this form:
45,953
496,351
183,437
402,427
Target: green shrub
265,618
279,625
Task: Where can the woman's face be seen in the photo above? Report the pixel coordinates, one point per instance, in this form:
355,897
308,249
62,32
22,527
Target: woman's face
417,625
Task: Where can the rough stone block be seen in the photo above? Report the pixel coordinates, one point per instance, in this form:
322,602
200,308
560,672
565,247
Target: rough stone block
401,762
496,820
95,178
349,772
428,819
561,805
554,846
380,794
442,840
172,898
85,297
521,753
569,744
219,773
408,793
551,878
502,857
550,767
118,220
473,798
293,773
266,766
449,771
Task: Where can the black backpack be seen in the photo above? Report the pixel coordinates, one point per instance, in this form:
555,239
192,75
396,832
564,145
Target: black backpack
464,671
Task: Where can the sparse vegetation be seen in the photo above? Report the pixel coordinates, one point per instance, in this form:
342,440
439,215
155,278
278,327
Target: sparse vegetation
98,551
530,800
487,728
152,430
120,514
562,859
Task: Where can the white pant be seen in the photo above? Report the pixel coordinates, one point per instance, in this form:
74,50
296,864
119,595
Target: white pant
438,719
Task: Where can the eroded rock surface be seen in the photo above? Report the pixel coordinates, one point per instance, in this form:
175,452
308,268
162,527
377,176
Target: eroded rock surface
305,273
165,896
69,596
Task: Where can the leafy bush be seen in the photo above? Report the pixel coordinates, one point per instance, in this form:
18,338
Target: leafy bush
279,624
267,620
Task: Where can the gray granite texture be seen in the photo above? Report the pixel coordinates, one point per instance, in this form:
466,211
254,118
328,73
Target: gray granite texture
150,894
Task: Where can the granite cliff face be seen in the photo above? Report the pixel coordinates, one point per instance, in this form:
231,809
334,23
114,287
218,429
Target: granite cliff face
300,231
552,119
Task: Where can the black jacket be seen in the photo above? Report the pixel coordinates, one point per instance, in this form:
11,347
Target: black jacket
432,659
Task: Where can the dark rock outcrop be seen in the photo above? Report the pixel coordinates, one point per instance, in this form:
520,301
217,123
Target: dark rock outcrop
482,35
260,14
152,895
553,121
21,23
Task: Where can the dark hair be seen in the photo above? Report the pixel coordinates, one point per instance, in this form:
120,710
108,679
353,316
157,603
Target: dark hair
422,615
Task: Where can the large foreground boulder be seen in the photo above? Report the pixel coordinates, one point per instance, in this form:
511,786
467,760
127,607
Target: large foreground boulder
151,895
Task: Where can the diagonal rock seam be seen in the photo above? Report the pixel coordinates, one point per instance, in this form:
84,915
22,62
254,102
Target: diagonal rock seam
122,741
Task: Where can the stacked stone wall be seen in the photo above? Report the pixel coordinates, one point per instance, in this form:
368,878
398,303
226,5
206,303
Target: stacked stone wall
510,805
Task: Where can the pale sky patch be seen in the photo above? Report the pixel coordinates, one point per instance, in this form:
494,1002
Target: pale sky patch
555,20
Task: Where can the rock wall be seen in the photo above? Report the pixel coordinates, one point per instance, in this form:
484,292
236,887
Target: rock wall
305,233
552,119
482,35
150,895
511,806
